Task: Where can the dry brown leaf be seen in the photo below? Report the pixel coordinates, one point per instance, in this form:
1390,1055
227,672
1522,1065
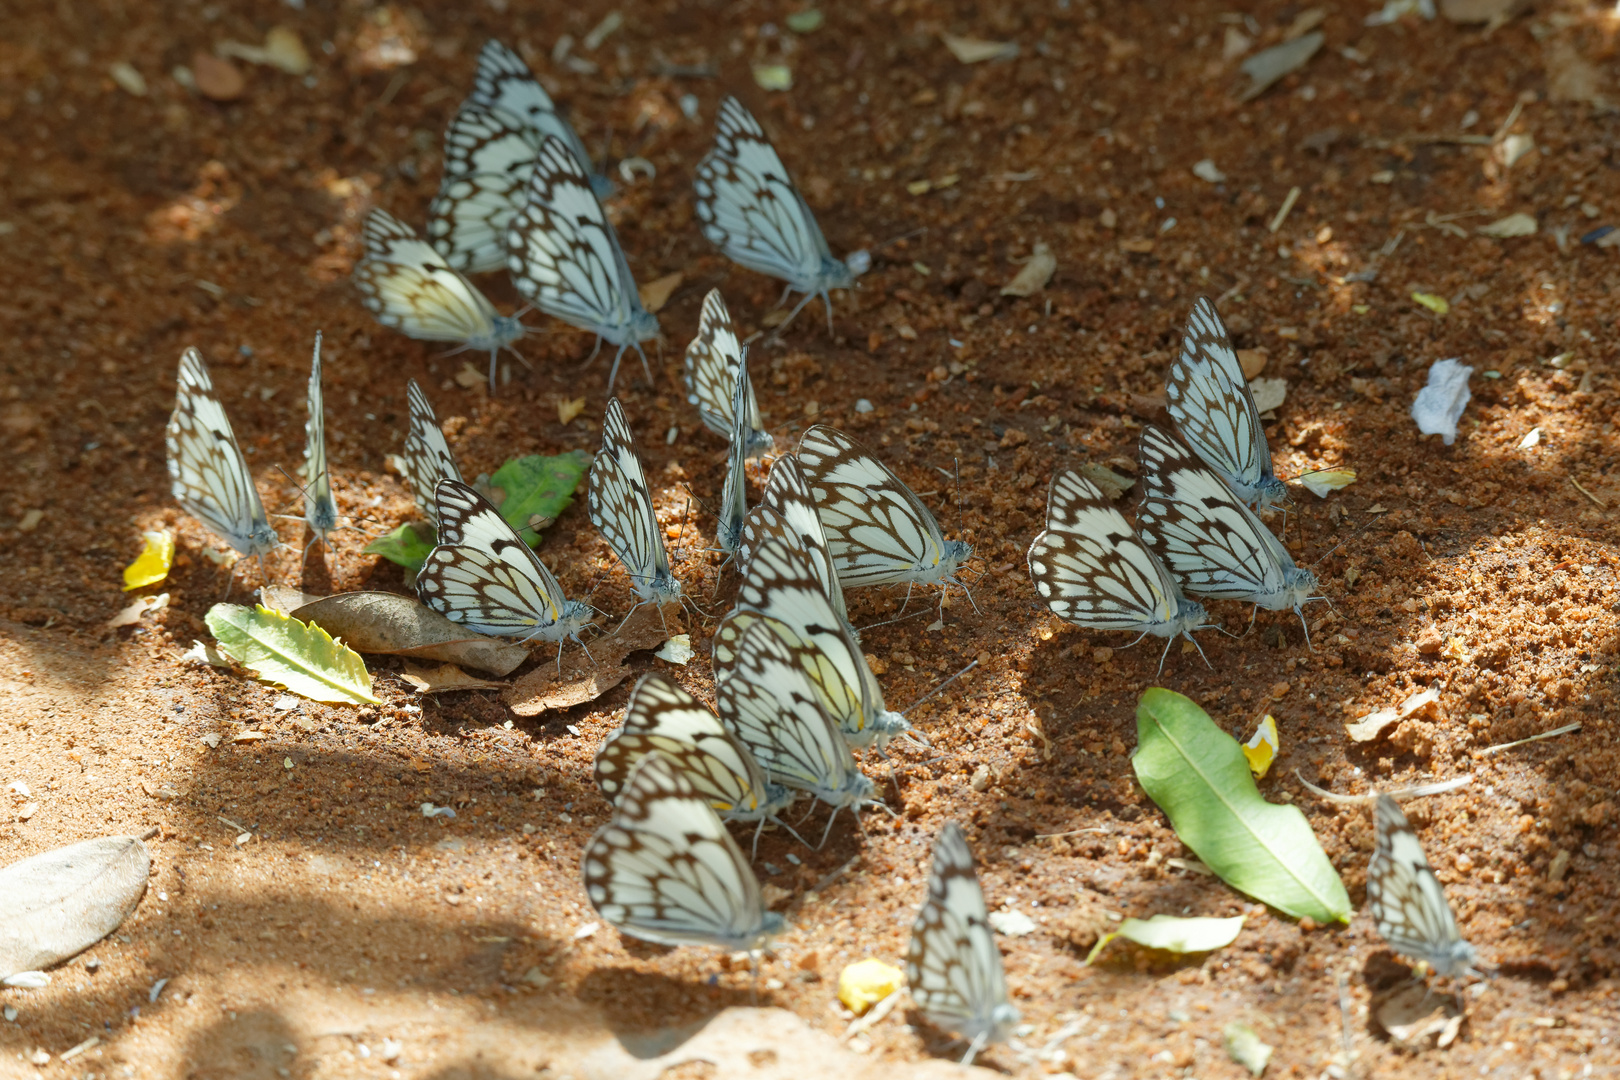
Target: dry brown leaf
586,678
283,599
1417,1018
250,736
1110,482
1034,275
131,615
1253,361
1496,12
655,294
469,377
975,50
1266,67
444,678
1372,725
568,409
379,622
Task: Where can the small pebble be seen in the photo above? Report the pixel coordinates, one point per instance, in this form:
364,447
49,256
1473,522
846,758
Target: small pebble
216,79
128,79
11,1013
863,406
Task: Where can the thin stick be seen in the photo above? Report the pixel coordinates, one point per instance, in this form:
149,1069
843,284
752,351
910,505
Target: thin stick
1565,730
1599,503
1071,832
941,686
1284,210
1437,788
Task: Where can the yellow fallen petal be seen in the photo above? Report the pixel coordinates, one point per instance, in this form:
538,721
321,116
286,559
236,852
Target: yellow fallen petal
867,982
1262,748
1434,303
1324,481
152,565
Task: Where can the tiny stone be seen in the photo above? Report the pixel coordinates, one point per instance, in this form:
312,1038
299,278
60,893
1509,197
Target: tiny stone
1102,655
217,79
1429,642
863,406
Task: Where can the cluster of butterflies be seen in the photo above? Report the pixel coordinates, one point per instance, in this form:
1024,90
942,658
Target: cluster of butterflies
519,193
1197,530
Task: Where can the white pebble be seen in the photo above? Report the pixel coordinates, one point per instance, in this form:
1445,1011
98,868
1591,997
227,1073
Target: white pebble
863,406
1440,404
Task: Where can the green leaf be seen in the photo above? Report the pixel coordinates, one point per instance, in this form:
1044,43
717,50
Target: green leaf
1197,774
1243,1046
407,545
284,652
538,489
1174,934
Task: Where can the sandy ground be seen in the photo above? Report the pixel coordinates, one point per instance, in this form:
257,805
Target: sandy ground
352,937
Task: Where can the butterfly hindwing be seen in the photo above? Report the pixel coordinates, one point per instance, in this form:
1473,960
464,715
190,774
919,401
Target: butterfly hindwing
734,495
621,508
1407,901
787,509
320,512
426,455
209,476
504,82
712,360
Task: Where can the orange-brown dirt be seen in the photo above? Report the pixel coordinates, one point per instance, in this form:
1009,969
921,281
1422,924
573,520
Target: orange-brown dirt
134,226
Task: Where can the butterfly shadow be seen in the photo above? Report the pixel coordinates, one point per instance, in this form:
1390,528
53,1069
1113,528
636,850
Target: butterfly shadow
947,1045
623,995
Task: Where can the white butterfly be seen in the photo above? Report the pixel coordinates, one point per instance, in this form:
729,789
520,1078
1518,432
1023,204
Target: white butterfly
483,576
210,478
1214,410
768,701
1090,569
489,152
752,212
953,967
780,584
712,360
622,510
879,532
662,716
665,869
1213,544
734,495
319,509
788,510
564,255
410,287
427,456
1406,899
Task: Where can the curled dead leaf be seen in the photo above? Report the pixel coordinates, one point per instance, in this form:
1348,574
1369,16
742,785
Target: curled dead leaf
379,622
444,678
587,677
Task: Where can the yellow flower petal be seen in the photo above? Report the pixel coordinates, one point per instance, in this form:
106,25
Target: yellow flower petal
152,565
1262,748
867,982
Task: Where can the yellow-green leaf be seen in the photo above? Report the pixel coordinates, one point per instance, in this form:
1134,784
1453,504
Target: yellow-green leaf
1324,482
300,657
152,564
1174,934
1432,301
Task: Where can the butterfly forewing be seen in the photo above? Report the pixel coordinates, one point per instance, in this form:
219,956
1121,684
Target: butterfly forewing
953,967
488,156
1407,901
788,509
734,495
665,869
1214,410
663,717
427,456
712,359
209,476
484,577
505,82
878,531
564,255
1090,569
621,508
750,210
319,509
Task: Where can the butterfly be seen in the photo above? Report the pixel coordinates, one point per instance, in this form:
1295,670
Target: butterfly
768,701
787,509
621,508
489,152
878,531
427,456
734,495
953,967
781,585
662,716
565,256
1406,899
210,476
409,287
319,509
1211,542
712,360
1214,410
665,869
1090,569
751,211
483,576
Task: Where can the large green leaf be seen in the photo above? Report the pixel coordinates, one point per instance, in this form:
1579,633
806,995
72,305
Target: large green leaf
1197,774
299,656
407,545
538,489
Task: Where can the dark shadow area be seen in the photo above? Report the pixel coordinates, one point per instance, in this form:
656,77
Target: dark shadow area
683,1008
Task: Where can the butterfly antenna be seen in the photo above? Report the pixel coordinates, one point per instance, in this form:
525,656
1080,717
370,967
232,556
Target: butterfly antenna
1369,524
828,830
940,687
974,1047
886,622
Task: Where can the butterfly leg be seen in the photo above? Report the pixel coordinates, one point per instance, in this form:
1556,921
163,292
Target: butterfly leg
1306,628
974,1047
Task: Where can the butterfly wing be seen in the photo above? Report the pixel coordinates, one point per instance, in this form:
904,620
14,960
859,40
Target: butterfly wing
662,716
734,496
751,211
505,82
209,476
622,509
427,456
877,530
1090,569
953,968
485,577
1408,902
488,157
712,359
787,509
1214,410
665,869
319,509
564,254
